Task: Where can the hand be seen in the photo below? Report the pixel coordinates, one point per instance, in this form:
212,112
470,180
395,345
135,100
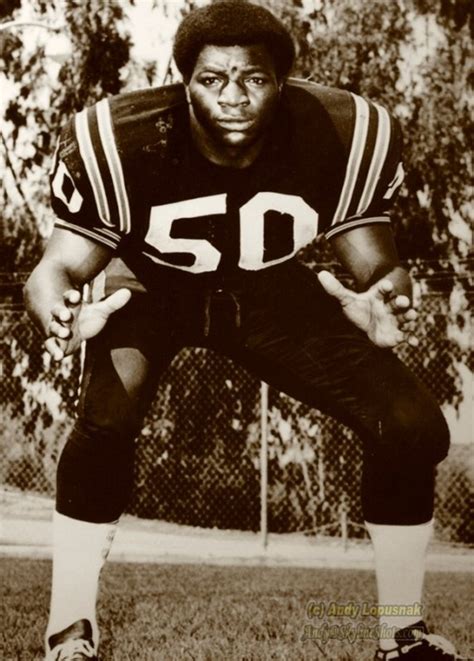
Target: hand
386,318
74,320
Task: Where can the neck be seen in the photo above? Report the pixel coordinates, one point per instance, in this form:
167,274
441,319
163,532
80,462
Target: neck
224,155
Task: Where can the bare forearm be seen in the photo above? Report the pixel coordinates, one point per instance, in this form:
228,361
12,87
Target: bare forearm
69,261
401,280
398,276
370,255
43,290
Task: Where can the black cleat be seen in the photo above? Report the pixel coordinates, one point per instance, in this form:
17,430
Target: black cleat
415,643
72,644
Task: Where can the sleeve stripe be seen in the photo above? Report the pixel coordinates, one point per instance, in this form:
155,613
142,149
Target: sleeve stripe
356,223
359,139
112,235
378,159
90,234
54,162
396,182
107,137
88,156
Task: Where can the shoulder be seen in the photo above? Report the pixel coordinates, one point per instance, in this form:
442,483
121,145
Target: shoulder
103,150
132,122
307,95
349,143
146,119
340,113
143,103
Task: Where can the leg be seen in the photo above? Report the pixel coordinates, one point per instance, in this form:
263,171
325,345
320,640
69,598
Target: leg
298,341
95,471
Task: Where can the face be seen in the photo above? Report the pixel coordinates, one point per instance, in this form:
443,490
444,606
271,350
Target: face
233,94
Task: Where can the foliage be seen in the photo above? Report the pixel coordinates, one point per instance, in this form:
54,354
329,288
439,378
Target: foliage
455,523
199,446
35,410
46,96
8,6
100,50
315,471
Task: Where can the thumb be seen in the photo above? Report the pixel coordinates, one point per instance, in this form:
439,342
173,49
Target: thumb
114,302
334,288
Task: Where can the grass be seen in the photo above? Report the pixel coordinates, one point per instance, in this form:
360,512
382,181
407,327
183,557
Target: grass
200,613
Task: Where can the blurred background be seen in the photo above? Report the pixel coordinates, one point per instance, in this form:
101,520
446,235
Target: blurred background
200,459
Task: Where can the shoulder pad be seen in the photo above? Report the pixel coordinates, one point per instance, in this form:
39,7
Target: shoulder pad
143,120
103,144
359,138
314,103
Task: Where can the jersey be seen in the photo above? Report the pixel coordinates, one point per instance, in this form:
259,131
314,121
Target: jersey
127,175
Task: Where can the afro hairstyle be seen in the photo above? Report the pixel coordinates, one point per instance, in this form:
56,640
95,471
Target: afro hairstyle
232,23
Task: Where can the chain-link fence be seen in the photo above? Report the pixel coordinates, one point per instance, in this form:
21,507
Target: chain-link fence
199,454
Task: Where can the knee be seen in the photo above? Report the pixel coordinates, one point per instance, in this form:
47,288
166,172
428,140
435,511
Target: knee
108,419
418,430
100,446
95,476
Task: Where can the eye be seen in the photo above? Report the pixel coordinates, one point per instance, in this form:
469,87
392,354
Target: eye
258,81
210,81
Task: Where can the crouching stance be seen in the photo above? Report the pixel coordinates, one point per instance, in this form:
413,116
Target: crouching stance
206,191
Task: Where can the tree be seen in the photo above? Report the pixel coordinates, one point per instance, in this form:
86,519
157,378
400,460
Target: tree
45,97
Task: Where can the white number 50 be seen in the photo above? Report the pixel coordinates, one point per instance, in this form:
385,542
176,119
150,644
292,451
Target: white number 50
252,229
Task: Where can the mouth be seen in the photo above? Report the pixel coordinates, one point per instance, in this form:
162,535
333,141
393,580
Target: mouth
235,124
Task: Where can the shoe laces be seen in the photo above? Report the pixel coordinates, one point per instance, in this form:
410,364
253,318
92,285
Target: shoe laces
440,643
73,650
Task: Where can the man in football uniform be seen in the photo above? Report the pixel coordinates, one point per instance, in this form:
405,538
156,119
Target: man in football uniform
206,191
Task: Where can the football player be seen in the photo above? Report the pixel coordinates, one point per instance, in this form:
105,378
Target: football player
206,191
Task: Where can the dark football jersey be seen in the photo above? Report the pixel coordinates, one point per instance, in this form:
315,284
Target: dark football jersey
128,176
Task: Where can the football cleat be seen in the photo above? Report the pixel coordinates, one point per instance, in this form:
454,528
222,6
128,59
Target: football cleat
72,644
415,643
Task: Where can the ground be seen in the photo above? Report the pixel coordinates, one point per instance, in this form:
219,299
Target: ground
153,612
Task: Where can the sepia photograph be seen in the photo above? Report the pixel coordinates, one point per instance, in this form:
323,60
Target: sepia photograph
236,396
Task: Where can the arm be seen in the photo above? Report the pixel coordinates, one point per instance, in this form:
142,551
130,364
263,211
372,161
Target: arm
69,261
383,307
369,254
52,295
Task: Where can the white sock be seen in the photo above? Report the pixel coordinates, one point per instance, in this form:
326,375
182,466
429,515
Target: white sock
400,568
80,549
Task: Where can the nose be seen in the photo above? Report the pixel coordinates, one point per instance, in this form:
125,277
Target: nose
233,94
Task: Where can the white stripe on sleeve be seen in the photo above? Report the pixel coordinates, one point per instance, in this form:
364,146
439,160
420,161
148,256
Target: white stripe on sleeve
359,139
378,159
88,156
357,222
90,234
109,145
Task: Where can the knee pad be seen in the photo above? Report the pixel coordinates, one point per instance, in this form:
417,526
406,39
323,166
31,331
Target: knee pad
95,475
399,464
398,497
414,431
110,416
